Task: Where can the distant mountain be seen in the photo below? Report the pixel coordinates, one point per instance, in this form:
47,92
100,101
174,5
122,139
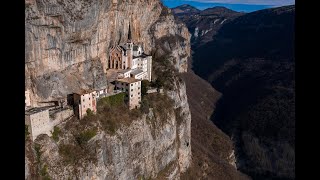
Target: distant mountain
185,10
218,11
203,25
251,61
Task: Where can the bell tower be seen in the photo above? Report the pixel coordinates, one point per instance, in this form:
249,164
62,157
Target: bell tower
129,47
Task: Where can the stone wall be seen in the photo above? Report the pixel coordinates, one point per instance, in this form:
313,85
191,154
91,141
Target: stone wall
59,116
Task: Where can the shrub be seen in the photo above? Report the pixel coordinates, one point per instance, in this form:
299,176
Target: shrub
144,87
44,172
161,104
55,134
145,106
70,153
85,136
159,82
115,100
89,112
164,72
37,148
26,132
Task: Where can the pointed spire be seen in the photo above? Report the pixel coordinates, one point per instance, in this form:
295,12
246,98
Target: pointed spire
129,33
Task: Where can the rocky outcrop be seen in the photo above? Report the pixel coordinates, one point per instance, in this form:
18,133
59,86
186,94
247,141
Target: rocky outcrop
69,40
148,147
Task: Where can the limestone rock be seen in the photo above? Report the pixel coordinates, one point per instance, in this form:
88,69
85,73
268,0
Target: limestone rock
67,46
64,38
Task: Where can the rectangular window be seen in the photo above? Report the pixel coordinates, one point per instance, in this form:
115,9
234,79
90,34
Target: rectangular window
131,95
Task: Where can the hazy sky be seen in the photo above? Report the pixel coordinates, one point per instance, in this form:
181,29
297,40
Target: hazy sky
237,5
255,2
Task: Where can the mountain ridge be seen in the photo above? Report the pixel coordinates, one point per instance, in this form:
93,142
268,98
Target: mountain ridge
204,24
251,61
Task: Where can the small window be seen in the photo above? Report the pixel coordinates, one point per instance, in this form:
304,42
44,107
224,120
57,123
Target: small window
131,95
131,89
89,98
131,84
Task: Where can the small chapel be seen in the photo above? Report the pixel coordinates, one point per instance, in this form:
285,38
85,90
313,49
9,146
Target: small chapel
131,60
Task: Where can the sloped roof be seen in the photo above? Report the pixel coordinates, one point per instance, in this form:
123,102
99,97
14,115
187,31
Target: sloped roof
83,91
128,80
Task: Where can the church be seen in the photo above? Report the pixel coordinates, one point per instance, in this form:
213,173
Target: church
130,60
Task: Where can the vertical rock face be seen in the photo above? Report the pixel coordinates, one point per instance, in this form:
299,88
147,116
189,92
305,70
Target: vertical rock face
144,149
67,46
67,42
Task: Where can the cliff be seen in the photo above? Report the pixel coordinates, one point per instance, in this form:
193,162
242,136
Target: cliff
213,152
251,61
153,145
67,44
204,24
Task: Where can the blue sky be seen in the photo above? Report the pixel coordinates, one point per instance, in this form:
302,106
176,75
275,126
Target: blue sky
237,5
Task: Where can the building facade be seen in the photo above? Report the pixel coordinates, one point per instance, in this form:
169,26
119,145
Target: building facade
130,57
101,93
132,88
82,101
38,122
27,100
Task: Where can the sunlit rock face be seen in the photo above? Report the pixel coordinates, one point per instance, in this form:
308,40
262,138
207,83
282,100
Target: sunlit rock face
67,46
67,42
